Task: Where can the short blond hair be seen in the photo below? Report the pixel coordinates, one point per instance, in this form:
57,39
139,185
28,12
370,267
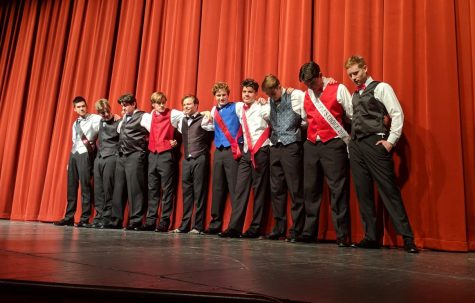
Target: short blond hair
220,85
355,60
158,97
270,82
102,104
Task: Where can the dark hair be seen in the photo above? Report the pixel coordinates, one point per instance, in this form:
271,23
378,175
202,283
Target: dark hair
195,99
250,83
309,71
78,99
127,98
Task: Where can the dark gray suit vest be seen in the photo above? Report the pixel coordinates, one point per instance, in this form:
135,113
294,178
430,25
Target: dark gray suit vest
196,140
133,136
108,138
285,122
368,113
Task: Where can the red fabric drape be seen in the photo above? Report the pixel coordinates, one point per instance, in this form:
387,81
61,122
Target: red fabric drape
51,51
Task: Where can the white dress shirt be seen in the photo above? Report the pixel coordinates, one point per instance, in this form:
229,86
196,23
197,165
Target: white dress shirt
90,127
385,94
255,120
175,117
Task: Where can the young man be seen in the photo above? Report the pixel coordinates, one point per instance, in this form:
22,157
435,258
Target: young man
161,161
287,116
81,160
130,166
195,166
325,152
370,153
254,164
104,165
227,138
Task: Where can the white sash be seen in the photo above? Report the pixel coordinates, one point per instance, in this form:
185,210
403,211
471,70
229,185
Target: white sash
332,121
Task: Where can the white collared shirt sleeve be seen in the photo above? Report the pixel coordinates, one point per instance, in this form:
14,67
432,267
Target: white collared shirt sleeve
146,120
207,123
385,94
297,98
344,98
176,117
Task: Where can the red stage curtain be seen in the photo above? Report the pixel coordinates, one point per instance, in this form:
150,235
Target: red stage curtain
51,51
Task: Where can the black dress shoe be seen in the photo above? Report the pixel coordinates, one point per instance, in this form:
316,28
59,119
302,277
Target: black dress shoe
305,239
64,222
99,225
250,234
230,233
161,228
212,231
90,225
111,226
410,247
365,243
342,243
82,224
275,236
146,227
134,226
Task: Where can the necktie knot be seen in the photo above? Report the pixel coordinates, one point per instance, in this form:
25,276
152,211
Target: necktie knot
246,106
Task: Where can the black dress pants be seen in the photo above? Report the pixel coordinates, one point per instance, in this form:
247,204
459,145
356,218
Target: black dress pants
369,162
195,176
286,173
328,161
258,177
79,172
104,178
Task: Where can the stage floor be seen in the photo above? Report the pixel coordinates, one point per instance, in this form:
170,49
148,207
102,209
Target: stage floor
42,252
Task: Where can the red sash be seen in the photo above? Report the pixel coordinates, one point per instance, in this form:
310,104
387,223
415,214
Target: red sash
234,145
264,136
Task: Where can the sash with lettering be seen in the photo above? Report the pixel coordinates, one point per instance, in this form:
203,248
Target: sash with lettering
263,137
331,120
234,145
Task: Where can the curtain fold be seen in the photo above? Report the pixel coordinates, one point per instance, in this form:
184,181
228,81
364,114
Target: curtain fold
51,51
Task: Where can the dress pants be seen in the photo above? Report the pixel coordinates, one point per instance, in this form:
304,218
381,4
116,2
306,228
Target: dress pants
161,180
130,183
195,176
326,160
104,172
286,172
369,162
259,178
79,172
224,181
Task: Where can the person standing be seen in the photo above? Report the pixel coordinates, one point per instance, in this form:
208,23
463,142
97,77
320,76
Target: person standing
227,139
370,153
253,167
81,161
104,165
161,161
131,165
195,166
287,116
325,152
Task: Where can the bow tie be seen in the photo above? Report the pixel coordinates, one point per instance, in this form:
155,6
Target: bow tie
361,87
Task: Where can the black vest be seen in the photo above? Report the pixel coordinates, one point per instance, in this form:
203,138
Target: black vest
285,122
196,140
108,138
133,136
368,113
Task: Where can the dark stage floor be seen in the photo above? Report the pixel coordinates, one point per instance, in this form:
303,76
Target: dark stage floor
253,269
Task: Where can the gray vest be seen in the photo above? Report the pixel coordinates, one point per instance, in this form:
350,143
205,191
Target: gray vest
133,136
196,140
368,113
108,138
285,122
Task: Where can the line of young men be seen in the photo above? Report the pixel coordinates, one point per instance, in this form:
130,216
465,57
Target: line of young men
256,141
